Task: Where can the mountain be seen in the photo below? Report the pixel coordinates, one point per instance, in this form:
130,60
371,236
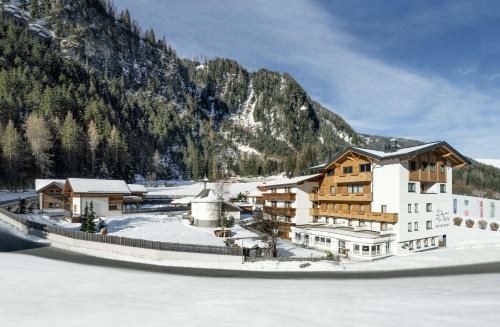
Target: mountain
83,92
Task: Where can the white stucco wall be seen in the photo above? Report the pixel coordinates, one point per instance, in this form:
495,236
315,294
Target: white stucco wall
475,208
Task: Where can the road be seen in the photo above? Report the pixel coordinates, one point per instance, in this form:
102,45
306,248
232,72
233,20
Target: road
12,242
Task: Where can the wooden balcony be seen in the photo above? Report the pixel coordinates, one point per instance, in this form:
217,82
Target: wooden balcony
373,216
365,176
278,196
336,197
427,176
278,211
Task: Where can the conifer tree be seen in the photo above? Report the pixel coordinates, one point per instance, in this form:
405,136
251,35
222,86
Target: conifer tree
70,138
93,139
34,9
11,144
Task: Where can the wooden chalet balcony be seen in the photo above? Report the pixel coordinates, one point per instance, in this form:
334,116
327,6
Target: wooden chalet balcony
287,212
365,176
349,197
427,176
373,216
278,196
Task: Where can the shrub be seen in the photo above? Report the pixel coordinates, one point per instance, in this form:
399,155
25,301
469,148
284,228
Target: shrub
457,221
470,223
482,224
494,226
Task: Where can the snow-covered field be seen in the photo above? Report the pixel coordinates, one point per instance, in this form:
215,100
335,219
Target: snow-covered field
36,291
193,188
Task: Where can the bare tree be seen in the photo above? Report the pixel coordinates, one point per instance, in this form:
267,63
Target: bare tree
94,139
40,141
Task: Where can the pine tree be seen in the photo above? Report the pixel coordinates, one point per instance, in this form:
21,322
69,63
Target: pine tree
40,141
11,144
70,137
34,10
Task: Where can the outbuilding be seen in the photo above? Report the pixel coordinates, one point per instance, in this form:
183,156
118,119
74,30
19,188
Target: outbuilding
208,206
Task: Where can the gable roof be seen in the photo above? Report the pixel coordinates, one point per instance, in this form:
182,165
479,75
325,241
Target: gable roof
137,188
291,181
97,186
404,152
41,184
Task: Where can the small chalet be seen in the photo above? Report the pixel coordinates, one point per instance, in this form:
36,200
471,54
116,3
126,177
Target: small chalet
50,192
208,206
106,196
136,197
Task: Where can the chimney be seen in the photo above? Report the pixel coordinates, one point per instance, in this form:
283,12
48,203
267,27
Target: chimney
205,180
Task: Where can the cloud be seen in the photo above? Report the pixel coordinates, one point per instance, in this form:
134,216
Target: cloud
337,69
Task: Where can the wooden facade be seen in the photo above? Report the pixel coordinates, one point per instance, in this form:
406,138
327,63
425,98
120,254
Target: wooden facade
428,167
346,190
52,197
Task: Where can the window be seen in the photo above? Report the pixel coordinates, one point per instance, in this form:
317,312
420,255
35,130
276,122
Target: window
316,239
365,249
361,223
416,227
332,189
329,242
347,170
74,208
383,226
409,207
349,222
387,247
383,208
442,168
416,207
428,224
410,245
297,236
423,165
273,190
288,204
426,243
113,207
365,167
412,187
331,172
433,241
442,188
409,227
428,207
356,248
413,165
322,240
288,189
433,166
355,188
418,244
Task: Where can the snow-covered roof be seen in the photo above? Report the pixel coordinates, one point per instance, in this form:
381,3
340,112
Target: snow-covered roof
94,186
291,181
137,188
456,156
254,193
207,195
40,184
400,152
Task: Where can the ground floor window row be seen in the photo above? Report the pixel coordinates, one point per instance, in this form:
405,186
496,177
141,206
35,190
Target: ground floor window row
422,243
342,246
371,225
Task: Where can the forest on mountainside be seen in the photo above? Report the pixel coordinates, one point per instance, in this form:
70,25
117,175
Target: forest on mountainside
84,92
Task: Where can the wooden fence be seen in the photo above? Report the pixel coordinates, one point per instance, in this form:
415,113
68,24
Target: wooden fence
124,241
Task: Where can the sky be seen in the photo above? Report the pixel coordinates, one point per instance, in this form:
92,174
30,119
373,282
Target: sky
426,70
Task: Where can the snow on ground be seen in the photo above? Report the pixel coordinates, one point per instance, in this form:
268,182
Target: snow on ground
7,196
289,249
491,162
59,294
193,188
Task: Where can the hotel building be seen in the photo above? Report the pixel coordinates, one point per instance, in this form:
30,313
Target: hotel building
371,204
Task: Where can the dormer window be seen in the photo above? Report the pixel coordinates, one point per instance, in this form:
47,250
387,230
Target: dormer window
347,170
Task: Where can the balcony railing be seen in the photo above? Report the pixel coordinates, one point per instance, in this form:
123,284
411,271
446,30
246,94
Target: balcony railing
373,216
348,197
364,176
427,176
279,211
278,196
